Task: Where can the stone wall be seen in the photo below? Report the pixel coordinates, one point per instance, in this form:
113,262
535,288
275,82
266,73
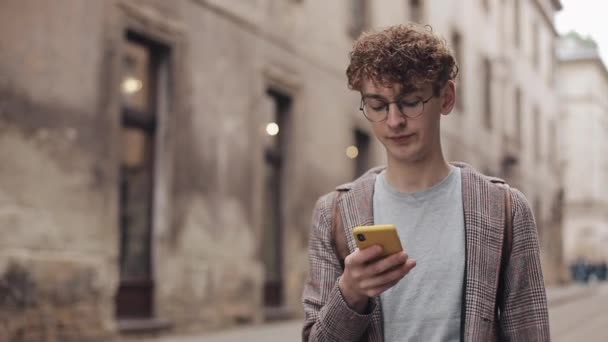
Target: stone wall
60,147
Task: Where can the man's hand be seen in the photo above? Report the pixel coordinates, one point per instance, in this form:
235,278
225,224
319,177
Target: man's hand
365,276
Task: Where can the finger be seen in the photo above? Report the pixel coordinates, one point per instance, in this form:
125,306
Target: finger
385,264
387,277
409,265
362,256
379,290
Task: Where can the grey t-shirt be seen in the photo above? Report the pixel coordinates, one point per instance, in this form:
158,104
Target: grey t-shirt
426,304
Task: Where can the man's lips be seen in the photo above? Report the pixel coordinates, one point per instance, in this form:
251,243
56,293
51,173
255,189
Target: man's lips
401,137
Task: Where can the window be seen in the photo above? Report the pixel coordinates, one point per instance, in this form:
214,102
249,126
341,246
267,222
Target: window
537,134
359,17
536,45
486,5
272,249
362,144
141,66
487,93
457,46
416,13
553,142
516,22
553,62
518,117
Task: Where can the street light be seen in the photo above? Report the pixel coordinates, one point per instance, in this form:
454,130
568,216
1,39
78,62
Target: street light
131,85
352,152
272,129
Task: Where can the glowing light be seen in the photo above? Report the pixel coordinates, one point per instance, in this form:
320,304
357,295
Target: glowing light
272,129
352,152
131,85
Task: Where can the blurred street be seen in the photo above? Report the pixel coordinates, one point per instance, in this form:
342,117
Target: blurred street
577,312
582,319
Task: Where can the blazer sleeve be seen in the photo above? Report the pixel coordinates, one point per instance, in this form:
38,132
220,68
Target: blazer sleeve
327,316
524,314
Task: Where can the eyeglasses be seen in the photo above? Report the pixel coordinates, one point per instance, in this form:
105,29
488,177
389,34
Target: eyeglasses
376,110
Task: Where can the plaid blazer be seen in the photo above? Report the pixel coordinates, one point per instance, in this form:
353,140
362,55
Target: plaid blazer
516,313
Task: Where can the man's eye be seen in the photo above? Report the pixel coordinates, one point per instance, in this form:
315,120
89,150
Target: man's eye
376,105
411,104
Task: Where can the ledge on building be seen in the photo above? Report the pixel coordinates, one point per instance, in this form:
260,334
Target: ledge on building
144,325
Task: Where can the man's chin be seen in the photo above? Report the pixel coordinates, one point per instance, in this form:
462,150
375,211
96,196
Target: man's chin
404,156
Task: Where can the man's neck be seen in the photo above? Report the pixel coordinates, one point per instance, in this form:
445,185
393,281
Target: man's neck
417,176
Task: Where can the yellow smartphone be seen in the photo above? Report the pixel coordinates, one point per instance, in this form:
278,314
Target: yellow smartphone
384,235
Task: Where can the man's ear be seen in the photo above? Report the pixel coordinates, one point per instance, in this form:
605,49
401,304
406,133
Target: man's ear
448,97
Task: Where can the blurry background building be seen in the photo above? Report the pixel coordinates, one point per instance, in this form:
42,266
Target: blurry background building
160,159
583,85
506,120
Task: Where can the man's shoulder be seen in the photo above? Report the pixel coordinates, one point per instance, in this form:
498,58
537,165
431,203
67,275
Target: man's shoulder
468,172
476,177
358,186
481,183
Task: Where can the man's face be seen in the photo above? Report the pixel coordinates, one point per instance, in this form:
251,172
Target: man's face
408,139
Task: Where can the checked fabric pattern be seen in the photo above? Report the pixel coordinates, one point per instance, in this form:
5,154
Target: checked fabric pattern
518,313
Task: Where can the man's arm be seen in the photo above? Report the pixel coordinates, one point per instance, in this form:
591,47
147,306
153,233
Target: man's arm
327,316
523,303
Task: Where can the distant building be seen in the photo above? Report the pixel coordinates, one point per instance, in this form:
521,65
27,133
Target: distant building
506,119
583,85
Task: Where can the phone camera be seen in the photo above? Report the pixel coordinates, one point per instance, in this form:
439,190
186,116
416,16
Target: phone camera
361,237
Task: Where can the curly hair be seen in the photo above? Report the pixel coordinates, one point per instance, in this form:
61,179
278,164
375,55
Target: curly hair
411,55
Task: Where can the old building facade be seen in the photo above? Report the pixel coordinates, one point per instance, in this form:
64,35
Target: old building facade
160,160
583,81
506,122
140,185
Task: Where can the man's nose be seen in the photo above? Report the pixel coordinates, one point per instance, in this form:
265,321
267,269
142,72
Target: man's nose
394,117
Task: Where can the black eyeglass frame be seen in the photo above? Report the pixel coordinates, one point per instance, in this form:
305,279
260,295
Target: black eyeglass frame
388,104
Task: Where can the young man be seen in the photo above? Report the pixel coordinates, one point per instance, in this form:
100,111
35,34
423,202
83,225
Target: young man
470,271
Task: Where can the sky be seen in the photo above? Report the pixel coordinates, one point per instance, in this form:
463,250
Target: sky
587,17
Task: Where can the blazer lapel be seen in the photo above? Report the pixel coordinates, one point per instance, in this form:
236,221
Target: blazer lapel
470,230
356,205
356,209
483,235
